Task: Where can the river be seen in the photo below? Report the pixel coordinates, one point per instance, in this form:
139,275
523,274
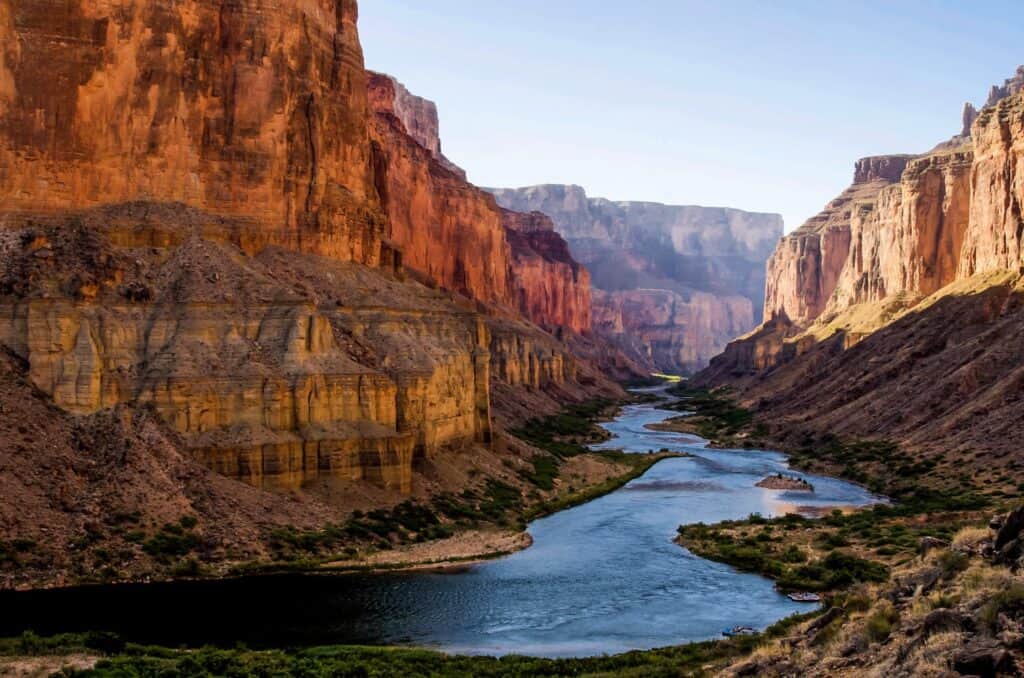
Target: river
603,577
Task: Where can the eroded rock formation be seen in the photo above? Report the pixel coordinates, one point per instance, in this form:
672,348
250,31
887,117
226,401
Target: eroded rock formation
913,334
282,365
454,232
241,109
203,216
804,269
549,286
676,282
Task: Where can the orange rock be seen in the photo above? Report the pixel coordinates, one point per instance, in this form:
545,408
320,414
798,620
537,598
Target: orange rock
549,286
242,110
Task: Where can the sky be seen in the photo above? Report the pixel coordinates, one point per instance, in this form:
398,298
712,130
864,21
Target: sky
762,106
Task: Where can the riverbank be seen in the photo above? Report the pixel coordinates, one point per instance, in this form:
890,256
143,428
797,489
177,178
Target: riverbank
843,548
494,489
474,546
103,655
622,537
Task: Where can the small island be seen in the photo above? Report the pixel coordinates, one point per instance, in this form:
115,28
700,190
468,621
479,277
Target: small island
784,482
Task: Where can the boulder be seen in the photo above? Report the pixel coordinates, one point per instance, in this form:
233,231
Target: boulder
982,658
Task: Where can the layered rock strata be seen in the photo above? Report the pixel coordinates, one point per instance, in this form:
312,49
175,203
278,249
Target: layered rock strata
280,366
549,286
678,281
804,269
917,340
455,234
203,216
242,109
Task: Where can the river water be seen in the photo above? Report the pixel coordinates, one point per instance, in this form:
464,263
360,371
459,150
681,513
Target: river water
603,577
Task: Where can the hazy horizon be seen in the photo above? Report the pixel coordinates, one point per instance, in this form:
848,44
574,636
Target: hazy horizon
741,104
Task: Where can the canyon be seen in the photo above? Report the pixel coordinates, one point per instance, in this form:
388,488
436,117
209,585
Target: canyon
214,217
895,312
671,284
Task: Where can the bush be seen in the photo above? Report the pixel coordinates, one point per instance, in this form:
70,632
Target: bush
879,623
1009,601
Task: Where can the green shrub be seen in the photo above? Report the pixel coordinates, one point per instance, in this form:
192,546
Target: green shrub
879,623
1008,601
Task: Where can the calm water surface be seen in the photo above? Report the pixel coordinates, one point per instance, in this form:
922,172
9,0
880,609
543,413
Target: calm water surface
603,577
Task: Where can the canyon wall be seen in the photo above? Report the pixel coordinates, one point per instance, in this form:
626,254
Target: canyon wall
676,282
274,369
244,110
913,333
206,207
549,286
804,269
455,233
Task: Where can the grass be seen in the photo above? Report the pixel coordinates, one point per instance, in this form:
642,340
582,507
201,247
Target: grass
769,547
842,549
565,434
127,659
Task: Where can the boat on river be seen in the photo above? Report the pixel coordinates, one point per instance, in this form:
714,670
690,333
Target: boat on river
804,597
739,631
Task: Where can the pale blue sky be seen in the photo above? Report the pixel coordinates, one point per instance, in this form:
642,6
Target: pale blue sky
757,105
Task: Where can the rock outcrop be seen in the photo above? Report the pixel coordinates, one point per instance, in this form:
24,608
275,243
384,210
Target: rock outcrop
455,234
804,269
678,281
417,115
274,368
669,330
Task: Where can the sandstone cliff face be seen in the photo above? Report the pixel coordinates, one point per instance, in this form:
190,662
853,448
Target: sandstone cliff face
909,240
549,286
203,216
242,109
417,115
674,278
275,369
996,228
805,267
669,330
919,339
455,233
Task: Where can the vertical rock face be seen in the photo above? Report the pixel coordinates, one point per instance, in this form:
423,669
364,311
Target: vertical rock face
995,233
909,228
677,282
909,240
549,286
456,234
241,109
805,267
447,229
668,330
417,115
273,369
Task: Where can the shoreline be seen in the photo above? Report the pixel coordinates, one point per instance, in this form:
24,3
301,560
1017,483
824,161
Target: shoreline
456,551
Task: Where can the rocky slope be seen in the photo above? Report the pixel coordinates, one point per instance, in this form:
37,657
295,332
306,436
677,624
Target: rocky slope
676,283
912,333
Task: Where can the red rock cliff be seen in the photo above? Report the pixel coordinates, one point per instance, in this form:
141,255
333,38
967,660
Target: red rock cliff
242,109
804,269
456,234
550,287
